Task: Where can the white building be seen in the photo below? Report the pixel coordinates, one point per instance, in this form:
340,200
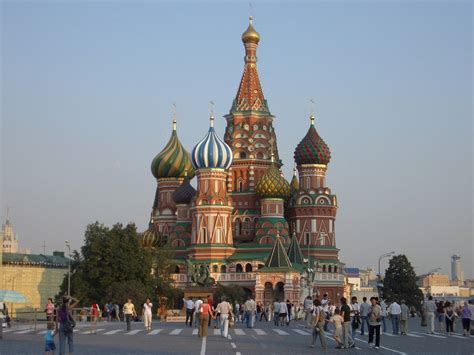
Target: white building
456,268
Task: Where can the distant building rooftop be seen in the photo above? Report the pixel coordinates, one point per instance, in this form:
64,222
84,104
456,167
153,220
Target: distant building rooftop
57,260
352,271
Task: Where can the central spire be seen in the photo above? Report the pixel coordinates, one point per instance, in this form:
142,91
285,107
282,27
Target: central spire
250,94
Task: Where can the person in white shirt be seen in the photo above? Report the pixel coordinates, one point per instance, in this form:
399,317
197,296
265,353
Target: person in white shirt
308,309
147,314
197,311
276,312
395,310
189,303
383,307
224,309
283,309
355,316
429,308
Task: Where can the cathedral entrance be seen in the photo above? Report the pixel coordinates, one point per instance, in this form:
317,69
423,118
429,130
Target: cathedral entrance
268,294
279,292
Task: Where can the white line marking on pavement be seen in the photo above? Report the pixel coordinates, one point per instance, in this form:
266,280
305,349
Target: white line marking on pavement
195,331
93,331
390,335
203,345
10,330
392,350
238,353
176,331
113,331
154,332
299,331
42,332
414,335
280,332
23,331
260,332
432,335
217,332
452,335
239,331
133,332
229,336
233,345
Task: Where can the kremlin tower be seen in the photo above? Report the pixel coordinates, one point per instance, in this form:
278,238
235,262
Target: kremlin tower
244,222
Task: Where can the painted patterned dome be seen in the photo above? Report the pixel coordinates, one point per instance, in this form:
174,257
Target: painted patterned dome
151,238
312,149
211,152
272,184
173,160
184,193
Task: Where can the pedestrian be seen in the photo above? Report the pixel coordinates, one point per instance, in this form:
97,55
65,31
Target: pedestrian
289,306
210,302
129,312
319,318
355,316
375,318
471,309
49,310
429,308
197,311
205,312
189,303
94,311
395,311
264,312
325,302
49,346
440,314
117,312
383,307
283,312
364,311
405,311
276,312
65,324
237,311
308,309
338,321
449,315
147,306
348,341
249,309
224,309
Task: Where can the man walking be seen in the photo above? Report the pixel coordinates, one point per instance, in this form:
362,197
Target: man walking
383,308
189,303
224,309
405,311
364,311
249,309
395,311
308,307
197,311
346,328
429,307
276,312
355,316
374,323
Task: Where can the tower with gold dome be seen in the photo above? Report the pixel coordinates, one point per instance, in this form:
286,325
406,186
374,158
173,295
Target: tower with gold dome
244,222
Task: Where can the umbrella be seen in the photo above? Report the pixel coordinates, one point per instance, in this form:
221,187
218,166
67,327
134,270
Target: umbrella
12,296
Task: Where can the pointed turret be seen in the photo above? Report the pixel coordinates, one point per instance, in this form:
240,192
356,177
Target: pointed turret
294,252
278,257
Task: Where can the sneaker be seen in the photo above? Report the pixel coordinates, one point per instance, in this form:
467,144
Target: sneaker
377,347
311,346
371,345
353,345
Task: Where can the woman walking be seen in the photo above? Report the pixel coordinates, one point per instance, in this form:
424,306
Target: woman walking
147,306
374,317
94,316
449,317
129,312
49,310
205,312
466,315
65,325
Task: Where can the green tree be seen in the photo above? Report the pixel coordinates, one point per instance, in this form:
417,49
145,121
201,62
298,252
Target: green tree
113,266
234,293
400,282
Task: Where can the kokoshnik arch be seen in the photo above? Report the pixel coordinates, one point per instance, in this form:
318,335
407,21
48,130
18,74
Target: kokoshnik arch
244,221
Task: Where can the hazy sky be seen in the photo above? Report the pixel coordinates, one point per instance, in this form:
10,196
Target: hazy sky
88,87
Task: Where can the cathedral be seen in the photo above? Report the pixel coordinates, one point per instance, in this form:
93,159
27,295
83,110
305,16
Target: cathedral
244,222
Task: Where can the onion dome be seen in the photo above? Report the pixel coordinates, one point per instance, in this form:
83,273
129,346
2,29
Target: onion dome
250,35
294,184
211,152
151,238
173,160
312,149
184,193
272,184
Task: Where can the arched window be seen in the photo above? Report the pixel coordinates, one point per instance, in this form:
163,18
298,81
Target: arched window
335,268
240,185
176,269
223,269
248,267
215,268
237,227
239,268
329,268
324,268
243,155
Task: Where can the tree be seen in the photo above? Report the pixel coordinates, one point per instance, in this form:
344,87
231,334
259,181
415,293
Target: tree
400,282
113,266
234,293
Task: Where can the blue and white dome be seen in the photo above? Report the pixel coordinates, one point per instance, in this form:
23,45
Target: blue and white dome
211,152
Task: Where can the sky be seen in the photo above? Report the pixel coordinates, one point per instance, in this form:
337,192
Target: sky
86,103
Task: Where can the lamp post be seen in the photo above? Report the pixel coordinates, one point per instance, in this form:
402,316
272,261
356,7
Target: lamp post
379,284
68,268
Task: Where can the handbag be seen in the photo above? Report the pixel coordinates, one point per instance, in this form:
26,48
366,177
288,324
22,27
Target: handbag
70,324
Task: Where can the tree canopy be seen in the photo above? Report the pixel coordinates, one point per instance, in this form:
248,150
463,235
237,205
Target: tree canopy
400,282
112,266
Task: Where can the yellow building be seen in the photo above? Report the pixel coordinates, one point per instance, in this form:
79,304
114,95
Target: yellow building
38,277
435,279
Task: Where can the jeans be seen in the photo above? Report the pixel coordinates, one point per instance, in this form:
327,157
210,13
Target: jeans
189,316
384,324
376,329
263,314
348,340
449,325
248,319
276,317
319,330
224,324
364,320
395,323
128,318
62,340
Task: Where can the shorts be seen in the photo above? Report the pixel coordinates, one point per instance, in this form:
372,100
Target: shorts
49,347
441,317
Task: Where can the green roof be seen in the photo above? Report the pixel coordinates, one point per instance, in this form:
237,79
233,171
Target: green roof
294,251
328,261
249,256
57,260
278,257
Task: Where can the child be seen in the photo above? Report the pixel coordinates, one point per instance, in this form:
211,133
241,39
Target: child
338,321
49,345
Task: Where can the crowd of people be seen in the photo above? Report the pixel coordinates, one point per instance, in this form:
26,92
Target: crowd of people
446,314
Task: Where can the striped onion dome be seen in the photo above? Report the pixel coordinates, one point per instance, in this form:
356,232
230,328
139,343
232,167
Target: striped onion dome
151,238
272,184
312,149
211,152
184,193
173,160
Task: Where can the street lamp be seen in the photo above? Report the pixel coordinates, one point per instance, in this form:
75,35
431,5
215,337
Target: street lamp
379,284
68,268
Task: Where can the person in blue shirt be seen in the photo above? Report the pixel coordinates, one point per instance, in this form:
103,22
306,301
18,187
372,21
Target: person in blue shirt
49,346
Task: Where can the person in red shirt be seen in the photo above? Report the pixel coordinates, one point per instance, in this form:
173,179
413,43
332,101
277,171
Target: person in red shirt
205,313
94,316
210,302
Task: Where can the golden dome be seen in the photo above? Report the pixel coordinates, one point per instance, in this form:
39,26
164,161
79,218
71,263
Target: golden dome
250,35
